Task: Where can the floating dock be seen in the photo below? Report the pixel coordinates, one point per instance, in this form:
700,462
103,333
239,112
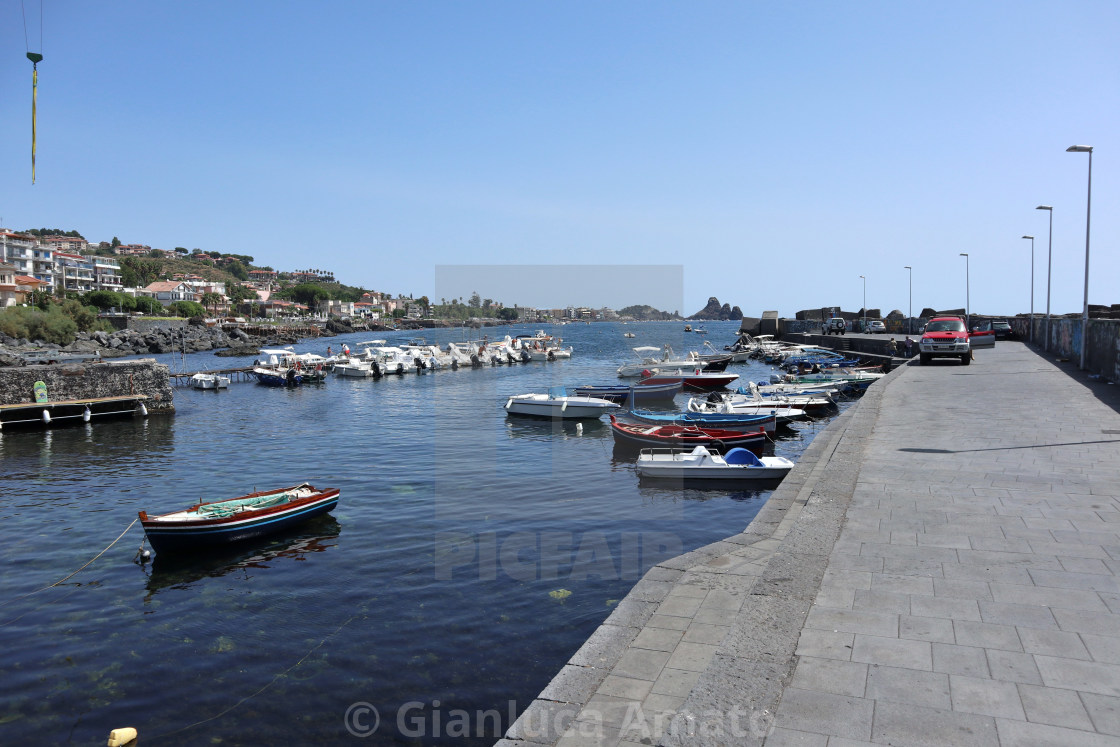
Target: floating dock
27,414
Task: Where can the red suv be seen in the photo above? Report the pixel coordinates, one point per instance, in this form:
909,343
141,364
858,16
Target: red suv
945,337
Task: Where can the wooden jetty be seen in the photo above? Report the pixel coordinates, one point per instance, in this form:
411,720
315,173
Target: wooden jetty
45,413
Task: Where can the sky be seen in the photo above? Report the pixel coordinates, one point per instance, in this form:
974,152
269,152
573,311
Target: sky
770,153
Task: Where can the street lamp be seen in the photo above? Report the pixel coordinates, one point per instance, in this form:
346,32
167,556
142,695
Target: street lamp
1088,206
1049,253
967,325
863,312
1032,287
910,317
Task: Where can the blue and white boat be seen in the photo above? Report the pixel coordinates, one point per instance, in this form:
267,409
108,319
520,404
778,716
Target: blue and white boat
733,420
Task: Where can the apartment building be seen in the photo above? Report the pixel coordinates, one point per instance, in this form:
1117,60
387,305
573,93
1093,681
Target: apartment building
8,289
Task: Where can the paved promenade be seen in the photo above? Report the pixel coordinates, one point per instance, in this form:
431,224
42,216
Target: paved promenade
940,570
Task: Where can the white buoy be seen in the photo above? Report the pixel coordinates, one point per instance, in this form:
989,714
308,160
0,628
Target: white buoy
121,737
85,415
46,416
579,427
143,410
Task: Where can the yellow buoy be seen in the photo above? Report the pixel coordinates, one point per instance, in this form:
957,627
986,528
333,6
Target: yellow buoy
121,737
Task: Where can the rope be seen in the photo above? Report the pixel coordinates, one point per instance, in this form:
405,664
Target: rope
75,573
267,685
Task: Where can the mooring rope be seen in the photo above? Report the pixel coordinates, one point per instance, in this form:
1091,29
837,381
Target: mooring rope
75,573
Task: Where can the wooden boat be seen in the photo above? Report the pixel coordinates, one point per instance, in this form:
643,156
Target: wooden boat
643,392
785,415
704,464
642,435
732,420
557,406
212,523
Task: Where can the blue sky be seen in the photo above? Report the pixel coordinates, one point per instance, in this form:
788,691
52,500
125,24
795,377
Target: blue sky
774,152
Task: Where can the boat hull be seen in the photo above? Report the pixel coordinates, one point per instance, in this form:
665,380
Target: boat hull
187,535
642,392
766,421
642,436
559,407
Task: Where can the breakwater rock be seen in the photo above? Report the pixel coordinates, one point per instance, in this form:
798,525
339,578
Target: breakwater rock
153,339
143,377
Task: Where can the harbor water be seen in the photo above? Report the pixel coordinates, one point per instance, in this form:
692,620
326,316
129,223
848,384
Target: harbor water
470,555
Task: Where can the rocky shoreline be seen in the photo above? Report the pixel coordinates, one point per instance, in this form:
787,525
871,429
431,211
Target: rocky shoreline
188,337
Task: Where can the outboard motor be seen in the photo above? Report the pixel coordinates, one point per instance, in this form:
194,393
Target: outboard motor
375,368
525,357
551,355
475,360
775,379
454,364
420,364
291,377
400,369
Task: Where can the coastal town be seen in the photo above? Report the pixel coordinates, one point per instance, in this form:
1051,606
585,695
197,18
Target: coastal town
180,282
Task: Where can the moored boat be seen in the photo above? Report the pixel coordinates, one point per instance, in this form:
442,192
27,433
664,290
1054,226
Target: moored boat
557,406
207,524
703,464
642,435
209,381
737,421
642,392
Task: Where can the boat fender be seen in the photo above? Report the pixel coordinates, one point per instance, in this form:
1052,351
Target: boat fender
46,416
85,414
509,402
121,737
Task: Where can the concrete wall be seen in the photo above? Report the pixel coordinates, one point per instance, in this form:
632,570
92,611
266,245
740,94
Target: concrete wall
91,380
1102,351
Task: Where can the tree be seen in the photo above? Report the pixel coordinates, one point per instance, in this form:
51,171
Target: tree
238,293
181,250
186,309
306,293
115,242
148,305
211,300
487,302
508,314
475,301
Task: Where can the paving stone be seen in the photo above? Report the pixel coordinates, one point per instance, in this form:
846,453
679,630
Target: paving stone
640,664
953,609
1104,710
1054,643
825,644
572,684
1022,615
691,656
675,682
1044,735
825,713
961,589
986,635
881,601
853,621
830,676
892,652
657,639
960,660
702,633
926,629
791,738
1071,599
930,689
902,723
625,687
1049,705
1013,667
986,697
1087,676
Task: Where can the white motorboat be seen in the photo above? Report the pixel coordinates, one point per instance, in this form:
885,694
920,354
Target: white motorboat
784,414
558,406
209,381
354,368
703,464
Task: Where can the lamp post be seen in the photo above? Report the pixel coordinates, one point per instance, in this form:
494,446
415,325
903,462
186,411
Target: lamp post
1049,254
910,310
967,324
863,312
1032,287
1088,206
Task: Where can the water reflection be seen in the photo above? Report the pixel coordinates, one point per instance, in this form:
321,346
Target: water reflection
179,572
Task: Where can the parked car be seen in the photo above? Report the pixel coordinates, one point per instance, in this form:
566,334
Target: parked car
876,327
835,326
982,335
1003,330
945,337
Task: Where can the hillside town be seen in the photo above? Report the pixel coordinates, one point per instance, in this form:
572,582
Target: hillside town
34,264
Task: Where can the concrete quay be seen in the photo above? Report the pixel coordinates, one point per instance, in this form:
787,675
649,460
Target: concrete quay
940,569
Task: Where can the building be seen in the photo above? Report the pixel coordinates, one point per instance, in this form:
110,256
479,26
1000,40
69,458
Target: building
168,292
8,291
18,250
72,244
74,273
106,273
26,286
262,276
337,308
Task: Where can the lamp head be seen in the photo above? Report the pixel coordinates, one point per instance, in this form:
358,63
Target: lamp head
1044,207
1079,149
1029,237
908,267
964,254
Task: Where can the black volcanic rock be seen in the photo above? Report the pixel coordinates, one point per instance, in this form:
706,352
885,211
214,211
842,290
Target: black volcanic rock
736,313
714,312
